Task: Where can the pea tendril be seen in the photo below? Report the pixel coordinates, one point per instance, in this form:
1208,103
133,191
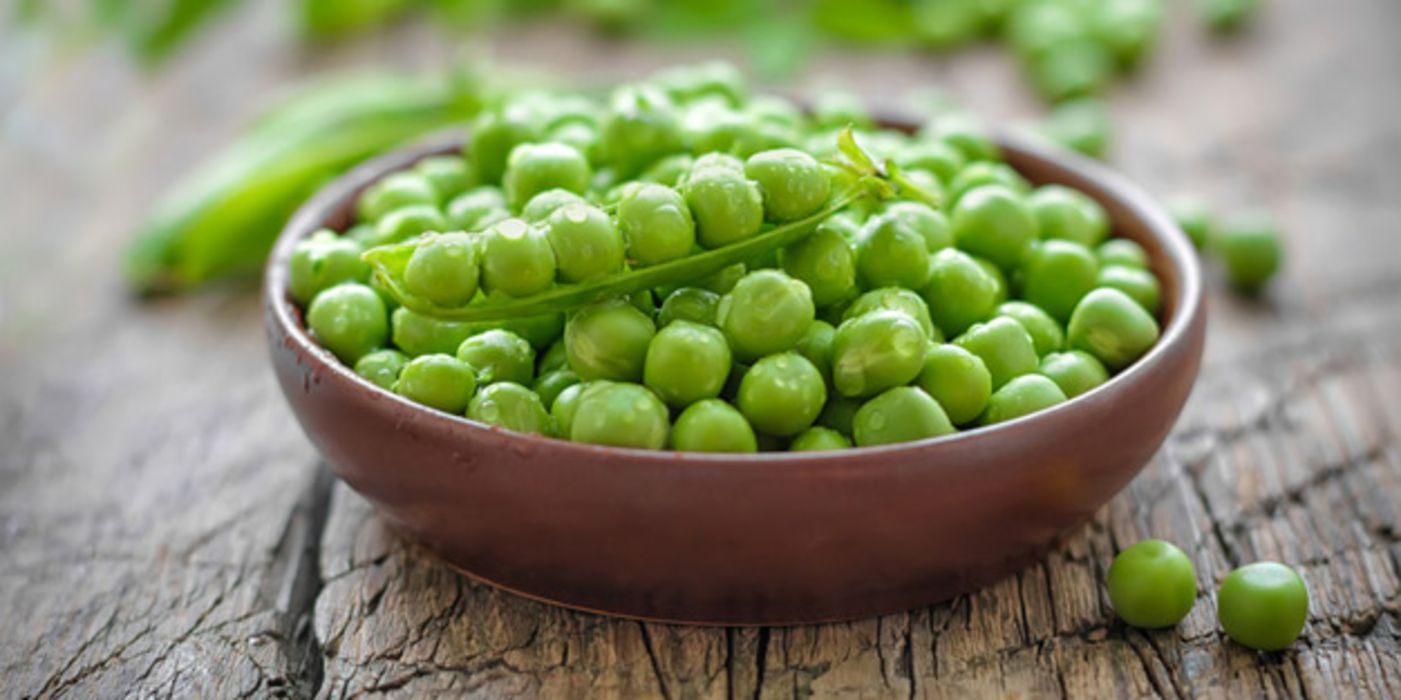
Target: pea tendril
873,180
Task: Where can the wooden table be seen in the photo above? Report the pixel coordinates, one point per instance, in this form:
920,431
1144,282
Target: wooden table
165,529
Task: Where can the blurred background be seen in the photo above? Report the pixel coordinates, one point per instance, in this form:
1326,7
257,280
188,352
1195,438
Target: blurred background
155,513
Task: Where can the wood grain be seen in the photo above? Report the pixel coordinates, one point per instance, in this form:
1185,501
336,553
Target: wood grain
164,528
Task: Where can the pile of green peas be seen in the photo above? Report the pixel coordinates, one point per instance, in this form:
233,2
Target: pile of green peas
891,321
1262,605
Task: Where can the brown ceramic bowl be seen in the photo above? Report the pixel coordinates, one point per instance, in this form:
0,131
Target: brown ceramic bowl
745,539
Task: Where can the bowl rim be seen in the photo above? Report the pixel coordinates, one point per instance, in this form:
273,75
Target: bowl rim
1178,254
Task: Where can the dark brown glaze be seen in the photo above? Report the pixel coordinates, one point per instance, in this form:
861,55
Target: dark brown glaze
746,539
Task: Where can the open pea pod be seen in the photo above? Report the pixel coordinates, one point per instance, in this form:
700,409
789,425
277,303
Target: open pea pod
868,179
389,261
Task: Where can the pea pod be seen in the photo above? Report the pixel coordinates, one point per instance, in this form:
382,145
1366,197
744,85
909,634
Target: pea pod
869,179
389,262
222,221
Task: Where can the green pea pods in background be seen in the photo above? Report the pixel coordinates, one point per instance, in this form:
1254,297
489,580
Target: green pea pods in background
222,219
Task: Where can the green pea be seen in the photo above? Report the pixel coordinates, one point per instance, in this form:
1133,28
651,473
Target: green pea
895,299
1128,27
656,222
494,135
839,413
1263,605
533,168
477,209
1046,334
876,351
771,109
724,281
1074,371
825,262
717,161
1141,285
928,222
835,109
417,334
554,357
960,292
1082,124
542,205
517,259
510,406
782,394
1121,251
937,157
321,261
498,356
406,222
986,173
349,320
710,127
689,304
945,24
539,329
1193,216
711,425
1113,327
963,133
586,244
958,380
1037,27
1069,214
549,385
711,79
995,223
645,301
998,277
890,253
1072,68
1004,346
1152,584
669,171
1022,396
766,312
641,125
444,269
727,206
1249,249
437,381
395,191
793,183
818,439
686,362
608,340
565,405
1227,15
1057,274
580,136
846,224
620,414
901,414
449,175
381,367
816,345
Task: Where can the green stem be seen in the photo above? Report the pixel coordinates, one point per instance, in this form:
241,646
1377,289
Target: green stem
565,297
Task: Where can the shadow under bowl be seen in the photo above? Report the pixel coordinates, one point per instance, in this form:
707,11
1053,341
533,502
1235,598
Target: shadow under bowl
745,539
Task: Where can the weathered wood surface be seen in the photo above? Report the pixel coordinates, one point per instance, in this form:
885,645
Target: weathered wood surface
164,529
